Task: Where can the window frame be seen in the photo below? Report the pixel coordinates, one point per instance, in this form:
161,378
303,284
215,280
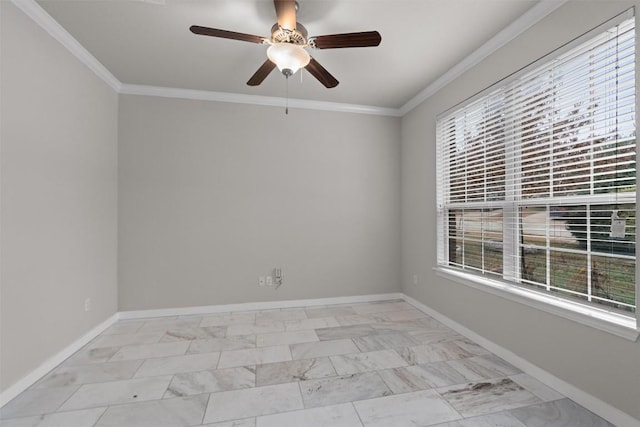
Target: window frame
623,325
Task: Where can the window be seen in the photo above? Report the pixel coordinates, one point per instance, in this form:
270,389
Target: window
536,175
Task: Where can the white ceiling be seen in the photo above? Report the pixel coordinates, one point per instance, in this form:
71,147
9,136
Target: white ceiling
147,42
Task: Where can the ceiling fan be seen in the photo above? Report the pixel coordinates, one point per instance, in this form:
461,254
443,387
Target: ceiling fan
288,42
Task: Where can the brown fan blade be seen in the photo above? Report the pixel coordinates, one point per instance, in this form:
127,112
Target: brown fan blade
262,73
320,73
335,41
214,32
286,12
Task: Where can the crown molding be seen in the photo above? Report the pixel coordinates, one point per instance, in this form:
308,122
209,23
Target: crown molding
238,98
51,26
513,30
33,10
55,30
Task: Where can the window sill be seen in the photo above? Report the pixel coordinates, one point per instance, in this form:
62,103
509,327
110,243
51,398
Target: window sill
601,319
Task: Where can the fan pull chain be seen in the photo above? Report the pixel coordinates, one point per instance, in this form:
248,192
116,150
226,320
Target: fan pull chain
286,107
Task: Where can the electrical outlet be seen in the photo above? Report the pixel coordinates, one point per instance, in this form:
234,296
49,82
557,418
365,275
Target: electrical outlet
415,279
269,281
261,281
87,304
277,277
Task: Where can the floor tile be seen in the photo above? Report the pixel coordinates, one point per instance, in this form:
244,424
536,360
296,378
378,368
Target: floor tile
237,342
330,311
115,392
280,338
254,356
480,398
83,418
544,393
125,339
285,314
502,419
369,361
194,333
178,364
323,348
438,374
36,401
464,345
247,422
163,325
430,336
384,341
325,334
295,370
483,367
355,319
431,323
262,327
559,413
399,316
89,356
444,350
145,351
335,416
315,323
401,380
331,391
179,412
388,327
193,383
421,408
226,319
230,405
427,353
381,307
84,374
420,377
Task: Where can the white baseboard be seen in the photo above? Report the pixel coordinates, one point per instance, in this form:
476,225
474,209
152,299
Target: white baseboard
32,377
595,405
251,306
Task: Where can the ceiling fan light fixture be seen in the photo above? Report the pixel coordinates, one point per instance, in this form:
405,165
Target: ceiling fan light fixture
288,57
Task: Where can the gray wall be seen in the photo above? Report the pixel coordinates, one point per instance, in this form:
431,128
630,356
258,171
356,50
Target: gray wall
601,364
58,196
213,195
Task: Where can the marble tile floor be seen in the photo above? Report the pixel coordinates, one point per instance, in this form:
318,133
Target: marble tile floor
370,364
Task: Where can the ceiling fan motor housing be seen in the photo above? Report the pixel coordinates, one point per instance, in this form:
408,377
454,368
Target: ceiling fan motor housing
282,35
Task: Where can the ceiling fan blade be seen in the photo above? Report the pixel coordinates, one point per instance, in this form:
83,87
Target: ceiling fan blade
320,73
214,32
262,73
335,41
286,12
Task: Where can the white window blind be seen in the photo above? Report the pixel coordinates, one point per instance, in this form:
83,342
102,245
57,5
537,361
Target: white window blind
536,176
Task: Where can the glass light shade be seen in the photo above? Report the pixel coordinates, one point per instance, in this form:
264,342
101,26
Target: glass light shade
288,57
